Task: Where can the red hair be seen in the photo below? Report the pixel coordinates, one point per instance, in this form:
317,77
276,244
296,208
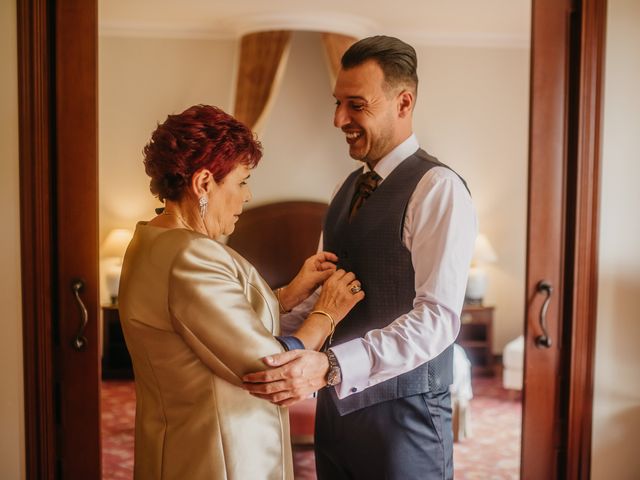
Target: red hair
200,137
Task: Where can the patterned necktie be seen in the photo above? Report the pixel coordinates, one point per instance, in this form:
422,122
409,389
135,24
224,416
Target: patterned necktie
365,185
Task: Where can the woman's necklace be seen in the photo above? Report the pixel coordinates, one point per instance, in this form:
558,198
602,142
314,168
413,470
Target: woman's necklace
180,219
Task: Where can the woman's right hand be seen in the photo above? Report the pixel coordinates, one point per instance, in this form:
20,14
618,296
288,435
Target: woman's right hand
336,296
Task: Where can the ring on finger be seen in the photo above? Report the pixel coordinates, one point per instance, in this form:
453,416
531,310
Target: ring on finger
355,288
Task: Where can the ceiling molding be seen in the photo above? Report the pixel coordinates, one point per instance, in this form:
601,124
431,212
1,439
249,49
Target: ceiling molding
308,21
467,39
231,28
158,30
236,27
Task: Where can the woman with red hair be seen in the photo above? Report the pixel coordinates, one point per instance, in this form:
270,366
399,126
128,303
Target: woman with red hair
197,316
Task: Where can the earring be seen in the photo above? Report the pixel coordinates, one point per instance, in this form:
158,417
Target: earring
203,202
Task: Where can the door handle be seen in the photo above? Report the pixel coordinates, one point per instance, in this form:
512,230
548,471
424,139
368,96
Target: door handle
80,341
543,341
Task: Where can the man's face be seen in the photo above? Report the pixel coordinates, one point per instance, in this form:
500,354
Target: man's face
366,112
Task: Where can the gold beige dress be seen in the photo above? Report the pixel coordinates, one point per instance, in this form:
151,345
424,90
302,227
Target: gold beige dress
196,317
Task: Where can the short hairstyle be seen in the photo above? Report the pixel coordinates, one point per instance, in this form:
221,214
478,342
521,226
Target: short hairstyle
200,137
397,59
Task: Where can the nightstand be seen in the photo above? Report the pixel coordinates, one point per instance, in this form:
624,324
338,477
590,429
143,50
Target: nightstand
476,337
116,362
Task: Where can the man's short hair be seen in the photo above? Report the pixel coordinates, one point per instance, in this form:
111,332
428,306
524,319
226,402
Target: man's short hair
397,59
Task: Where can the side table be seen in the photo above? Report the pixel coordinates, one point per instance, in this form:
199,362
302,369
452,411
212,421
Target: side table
116,362
476,337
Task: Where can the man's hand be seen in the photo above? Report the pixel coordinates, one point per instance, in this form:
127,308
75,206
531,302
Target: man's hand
293,376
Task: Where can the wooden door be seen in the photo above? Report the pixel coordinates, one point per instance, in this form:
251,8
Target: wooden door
566,78
545,235
76,214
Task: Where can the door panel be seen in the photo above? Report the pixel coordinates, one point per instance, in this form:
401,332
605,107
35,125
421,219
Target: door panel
545,236
76,220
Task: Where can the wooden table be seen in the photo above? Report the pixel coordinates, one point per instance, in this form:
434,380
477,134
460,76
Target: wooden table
476,337
116,362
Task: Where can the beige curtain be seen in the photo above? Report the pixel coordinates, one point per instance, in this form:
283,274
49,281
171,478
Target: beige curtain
334,47
263,56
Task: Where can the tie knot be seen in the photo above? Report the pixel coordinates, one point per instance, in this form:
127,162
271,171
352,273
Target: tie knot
367,183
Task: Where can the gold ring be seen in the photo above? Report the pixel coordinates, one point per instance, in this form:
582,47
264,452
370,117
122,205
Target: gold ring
355,289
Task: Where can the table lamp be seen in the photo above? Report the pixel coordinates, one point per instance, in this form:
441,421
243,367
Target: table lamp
112,251
483,253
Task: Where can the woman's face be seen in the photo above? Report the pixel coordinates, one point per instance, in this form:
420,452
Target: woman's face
226,200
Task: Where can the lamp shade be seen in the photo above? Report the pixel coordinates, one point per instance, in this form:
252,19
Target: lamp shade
116,243
483,252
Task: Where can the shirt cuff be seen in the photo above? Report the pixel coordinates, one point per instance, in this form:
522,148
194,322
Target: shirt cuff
289,342
355,367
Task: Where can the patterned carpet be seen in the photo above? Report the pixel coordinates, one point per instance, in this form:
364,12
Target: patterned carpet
492,451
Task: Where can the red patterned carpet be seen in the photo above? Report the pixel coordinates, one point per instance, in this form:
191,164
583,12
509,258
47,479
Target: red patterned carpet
493,449
492,452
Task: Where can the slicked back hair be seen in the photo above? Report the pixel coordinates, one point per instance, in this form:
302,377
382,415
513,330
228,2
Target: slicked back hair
397,59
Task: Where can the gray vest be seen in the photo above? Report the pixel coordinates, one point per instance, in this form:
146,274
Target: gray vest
371,247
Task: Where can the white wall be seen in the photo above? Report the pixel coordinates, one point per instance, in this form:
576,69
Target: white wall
305,156
141,81
472,114
11,384
616,414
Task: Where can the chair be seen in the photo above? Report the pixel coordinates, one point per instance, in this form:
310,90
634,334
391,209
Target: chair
461,394
513,362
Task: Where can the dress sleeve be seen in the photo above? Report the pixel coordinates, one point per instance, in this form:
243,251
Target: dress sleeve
210,310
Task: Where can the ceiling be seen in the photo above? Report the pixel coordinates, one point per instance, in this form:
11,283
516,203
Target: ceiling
459,22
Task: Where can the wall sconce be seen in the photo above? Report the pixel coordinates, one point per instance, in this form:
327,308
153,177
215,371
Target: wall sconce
113,249
483,253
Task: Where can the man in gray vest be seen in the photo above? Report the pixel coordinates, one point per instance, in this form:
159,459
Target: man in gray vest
405,225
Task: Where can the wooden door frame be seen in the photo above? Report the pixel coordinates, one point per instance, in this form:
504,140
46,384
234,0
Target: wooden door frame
38,139
585,140
36,235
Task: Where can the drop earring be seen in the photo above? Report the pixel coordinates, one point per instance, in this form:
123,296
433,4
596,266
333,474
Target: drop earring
203,202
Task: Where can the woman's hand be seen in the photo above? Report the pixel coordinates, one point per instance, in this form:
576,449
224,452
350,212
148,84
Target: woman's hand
339,294
315,270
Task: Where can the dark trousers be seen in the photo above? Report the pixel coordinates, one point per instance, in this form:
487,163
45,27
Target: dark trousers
403,439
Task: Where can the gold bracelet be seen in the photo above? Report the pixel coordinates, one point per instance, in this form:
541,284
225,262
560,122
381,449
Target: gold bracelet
282,309
333,322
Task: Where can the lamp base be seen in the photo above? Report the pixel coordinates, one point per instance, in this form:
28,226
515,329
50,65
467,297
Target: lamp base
476,286
112,278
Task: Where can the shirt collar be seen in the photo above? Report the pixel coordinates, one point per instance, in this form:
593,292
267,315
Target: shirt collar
391,160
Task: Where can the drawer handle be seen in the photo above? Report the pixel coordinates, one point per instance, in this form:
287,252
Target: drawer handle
80,341
543,341
466,318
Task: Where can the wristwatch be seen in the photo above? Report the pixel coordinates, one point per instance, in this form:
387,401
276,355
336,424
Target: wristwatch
334,376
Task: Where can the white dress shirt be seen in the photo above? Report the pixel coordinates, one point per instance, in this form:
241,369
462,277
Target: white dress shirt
440,228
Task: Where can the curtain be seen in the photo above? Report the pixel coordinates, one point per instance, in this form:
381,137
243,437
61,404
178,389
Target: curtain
335,45
263,56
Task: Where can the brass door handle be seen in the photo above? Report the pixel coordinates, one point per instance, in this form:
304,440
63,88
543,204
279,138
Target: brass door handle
543,341
80,341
